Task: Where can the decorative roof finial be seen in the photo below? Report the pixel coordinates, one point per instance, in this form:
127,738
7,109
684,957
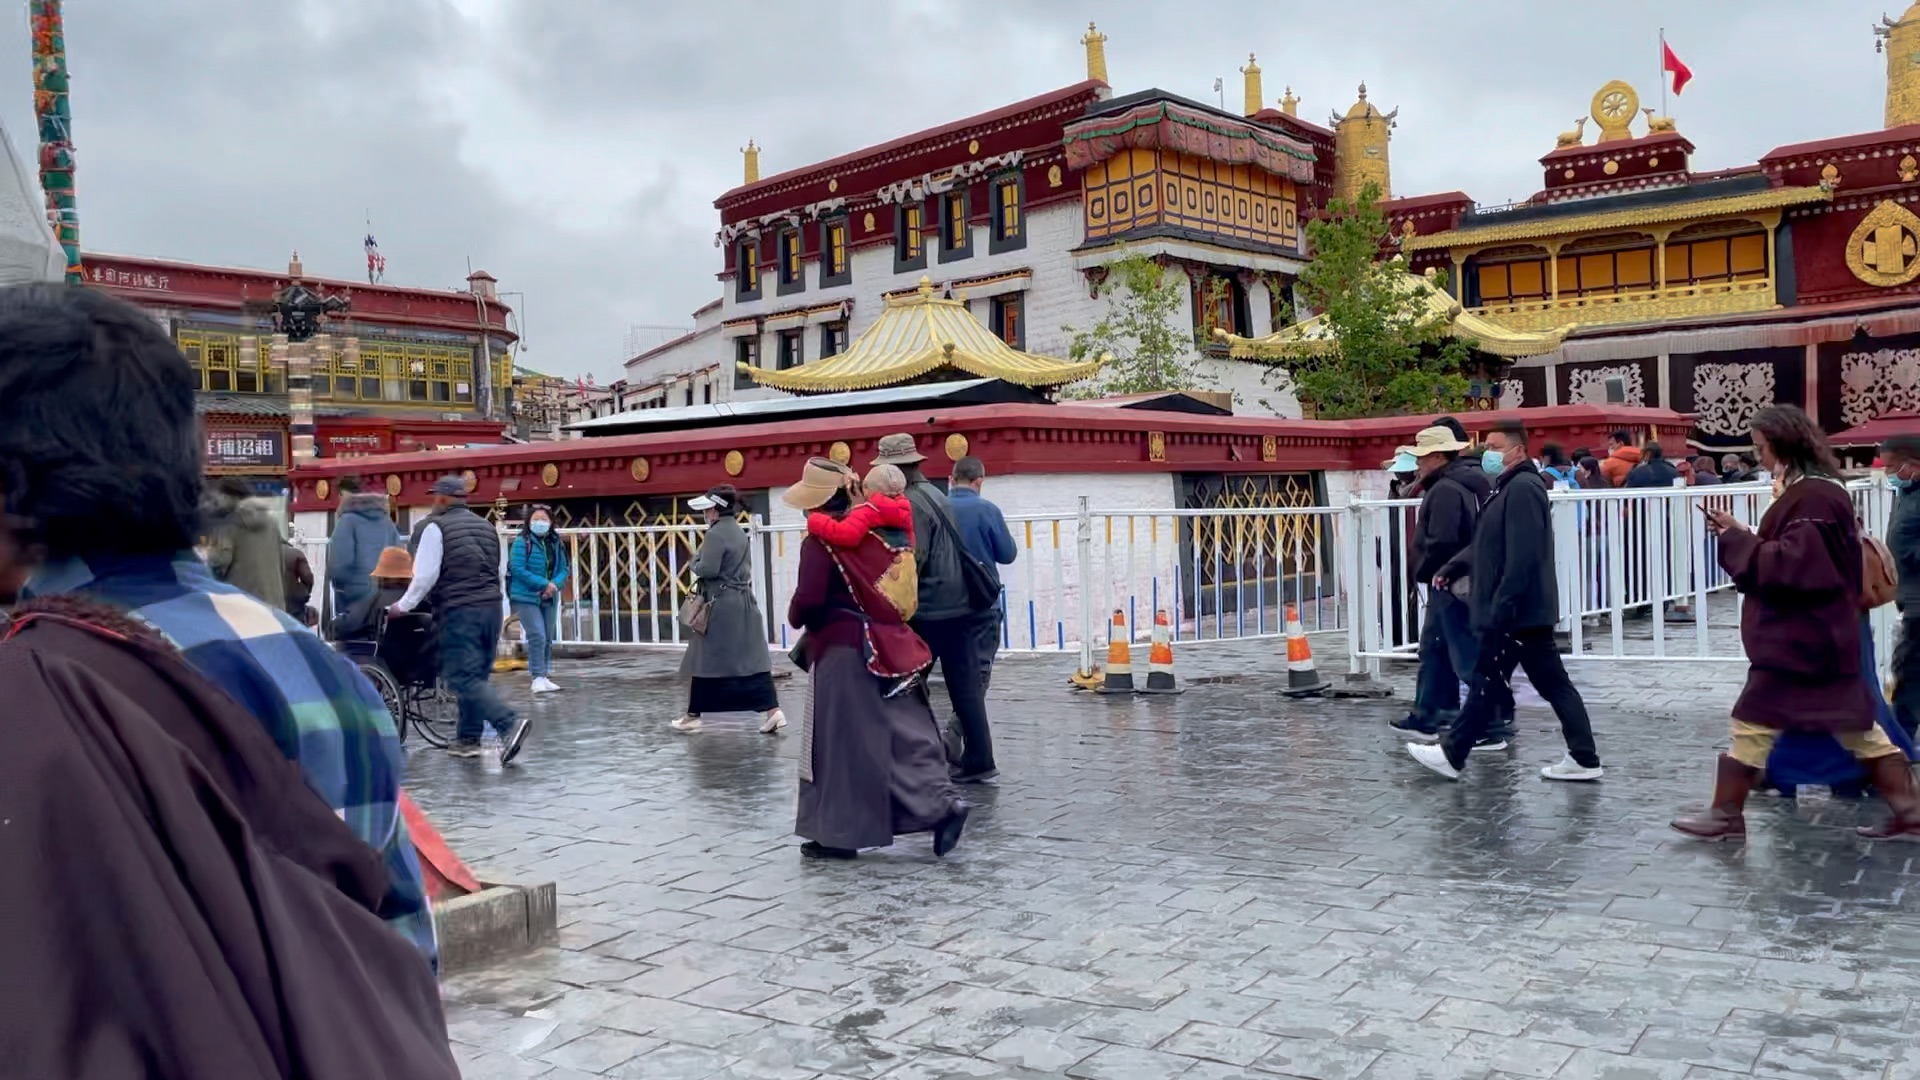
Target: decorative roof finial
1096,43
752,155
926,287
1255,99
1290,104
1363,91
294,269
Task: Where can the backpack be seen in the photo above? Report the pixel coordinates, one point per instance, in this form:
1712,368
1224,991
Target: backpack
1881,581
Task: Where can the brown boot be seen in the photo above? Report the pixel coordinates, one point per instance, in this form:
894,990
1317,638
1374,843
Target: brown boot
1892,777
1723,820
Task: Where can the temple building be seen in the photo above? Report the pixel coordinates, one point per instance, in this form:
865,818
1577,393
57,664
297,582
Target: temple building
410,369
1015,215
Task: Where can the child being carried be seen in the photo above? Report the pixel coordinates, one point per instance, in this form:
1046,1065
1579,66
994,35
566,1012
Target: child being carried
886,513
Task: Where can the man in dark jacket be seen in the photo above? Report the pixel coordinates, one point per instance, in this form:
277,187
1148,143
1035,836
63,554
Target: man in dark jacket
456,567
948,619
1654,470
1901,456
1454,489
361,531
984,535
1515,600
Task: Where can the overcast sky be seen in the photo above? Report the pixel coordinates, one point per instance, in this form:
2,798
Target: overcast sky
574,148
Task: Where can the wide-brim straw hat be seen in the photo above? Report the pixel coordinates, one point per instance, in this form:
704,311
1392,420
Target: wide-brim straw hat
819,481
897,450
1433,440
394,562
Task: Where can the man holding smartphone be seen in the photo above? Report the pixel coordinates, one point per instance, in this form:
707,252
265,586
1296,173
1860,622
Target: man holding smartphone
1515,604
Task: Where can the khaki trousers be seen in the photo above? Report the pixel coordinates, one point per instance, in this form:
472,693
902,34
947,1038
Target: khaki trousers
1752,743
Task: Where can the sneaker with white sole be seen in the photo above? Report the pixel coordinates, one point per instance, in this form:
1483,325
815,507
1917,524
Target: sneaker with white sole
686,723
544,685
772,722
1568,769
514,738
1433,758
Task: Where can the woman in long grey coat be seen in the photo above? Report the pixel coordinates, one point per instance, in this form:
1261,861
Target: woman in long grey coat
728,663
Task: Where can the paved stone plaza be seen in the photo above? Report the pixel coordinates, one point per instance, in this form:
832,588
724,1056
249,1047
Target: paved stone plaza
1223,884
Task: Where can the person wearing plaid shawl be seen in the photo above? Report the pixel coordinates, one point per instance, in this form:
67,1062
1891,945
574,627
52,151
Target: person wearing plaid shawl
100,463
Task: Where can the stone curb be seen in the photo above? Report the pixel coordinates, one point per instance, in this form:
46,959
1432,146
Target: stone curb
497,922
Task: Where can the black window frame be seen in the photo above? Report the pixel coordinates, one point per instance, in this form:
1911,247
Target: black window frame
902,263
828,279
833,338
746,350
790,248
949,253
789,349
996,242
746,267
996,317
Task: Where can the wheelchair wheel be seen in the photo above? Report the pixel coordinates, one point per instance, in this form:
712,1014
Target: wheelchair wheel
390,694
434,712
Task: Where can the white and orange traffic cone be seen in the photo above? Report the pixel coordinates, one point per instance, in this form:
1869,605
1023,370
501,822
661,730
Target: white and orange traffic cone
1160,678
1302,679
1119,676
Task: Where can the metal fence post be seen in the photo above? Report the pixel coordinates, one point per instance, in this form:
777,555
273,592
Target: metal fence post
1083,558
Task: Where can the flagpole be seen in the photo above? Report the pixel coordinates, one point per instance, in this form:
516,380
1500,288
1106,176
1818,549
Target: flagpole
1663,72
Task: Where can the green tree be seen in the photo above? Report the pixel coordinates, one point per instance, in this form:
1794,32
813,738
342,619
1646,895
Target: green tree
1149,348
1385,355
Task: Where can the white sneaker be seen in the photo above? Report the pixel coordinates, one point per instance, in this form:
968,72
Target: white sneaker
544,685
1433,758
686,723
773,722
1568,769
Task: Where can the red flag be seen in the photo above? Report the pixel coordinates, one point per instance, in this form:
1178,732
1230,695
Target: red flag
1671,64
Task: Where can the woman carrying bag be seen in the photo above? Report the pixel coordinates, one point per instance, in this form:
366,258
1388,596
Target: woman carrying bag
727,657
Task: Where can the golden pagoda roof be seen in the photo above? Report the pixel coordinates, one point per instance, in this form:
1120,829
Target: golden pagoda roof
1443,314
1561,225
917,334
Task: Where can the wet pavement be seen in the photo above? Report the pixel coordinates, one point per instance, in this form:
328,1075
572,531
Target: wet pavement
1221,884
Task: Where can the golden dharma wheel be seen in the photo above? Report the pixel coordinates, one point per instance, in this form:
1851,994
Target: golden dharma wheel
322,489
736,463
549,474
956,446
640,470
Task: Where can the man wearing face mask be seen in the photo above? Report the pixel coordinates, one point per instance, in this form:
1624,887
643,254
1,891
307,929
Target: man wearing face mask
1515,604
1902,458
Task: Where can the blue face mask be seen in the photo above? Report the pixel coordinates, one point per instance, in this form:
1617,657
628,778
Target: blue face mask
1493,462
540,528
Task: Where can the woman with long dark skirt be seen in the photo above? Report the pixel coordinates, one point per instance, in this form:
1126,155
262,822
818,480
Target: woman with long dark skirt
872,766
728,662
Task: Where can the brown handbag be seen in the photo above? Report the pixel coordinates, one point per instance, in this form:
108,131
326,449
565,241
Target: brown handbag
1881,582
695,611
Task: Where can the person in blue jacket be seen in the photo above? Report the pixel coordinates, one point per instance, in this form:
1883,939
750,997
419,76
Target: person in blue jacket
984,534
536,572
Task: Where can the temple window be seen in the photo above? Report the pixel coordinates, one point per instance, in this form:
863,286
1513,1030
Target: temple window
1220,303
417,373
792,274
746,351
953,226
221,365
909,242
1733,256
1009,319
833,339
1587,269
746,271
1009,228
834,269
1522,280
791,348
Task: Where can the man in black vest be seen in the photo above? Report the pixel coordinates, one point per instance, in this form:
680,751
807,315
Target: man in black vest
456,567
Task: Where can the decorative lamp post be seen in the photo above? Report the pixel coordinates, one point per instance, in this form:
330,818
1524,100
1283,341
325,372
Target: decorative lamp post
56,128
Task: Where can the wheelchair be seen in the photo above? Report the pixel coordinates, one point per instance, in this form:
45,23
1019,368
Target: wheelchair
402,661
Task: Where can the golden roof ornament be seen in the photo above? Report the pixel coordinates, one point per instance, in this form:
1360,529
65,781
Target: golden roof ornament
1614,107
1290,104
751,154
1255,100
1900,40
1096,43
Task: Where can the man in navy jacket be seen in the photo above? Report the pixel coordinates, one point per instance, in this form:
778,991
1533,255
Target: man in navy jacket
984,533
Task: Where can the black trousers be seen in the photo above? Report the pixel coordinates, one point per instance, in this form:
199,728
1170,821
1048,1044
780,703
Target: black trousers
1534,652
988,630
956,645
1906,674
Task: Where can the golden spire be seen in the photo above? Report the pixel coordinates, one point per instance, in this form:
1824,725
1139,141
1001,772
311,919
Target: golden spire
1900,40
1255,99
1360,148
752,155
1096,43
1290,104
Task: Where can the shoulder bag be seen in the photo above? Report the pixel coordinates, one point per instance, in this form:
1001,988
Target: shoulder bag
695,612
1881,582
982,592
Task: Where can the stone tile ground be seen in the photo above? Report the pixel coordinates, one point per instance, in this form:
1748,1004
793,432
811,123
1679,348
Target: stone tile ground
1220,885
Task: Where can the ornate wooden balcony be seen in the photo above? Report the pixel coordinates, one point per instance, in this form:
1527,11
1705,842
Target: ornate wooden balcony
1673,302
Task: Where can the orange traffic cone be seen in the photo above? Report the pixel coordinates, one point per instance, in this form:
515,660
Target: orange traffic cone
1160,660
1302,679
444,875
1119,677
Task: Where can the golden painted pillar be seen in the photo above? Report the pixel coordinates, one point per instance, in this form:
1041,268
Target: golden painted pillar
1660,261
1553,273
